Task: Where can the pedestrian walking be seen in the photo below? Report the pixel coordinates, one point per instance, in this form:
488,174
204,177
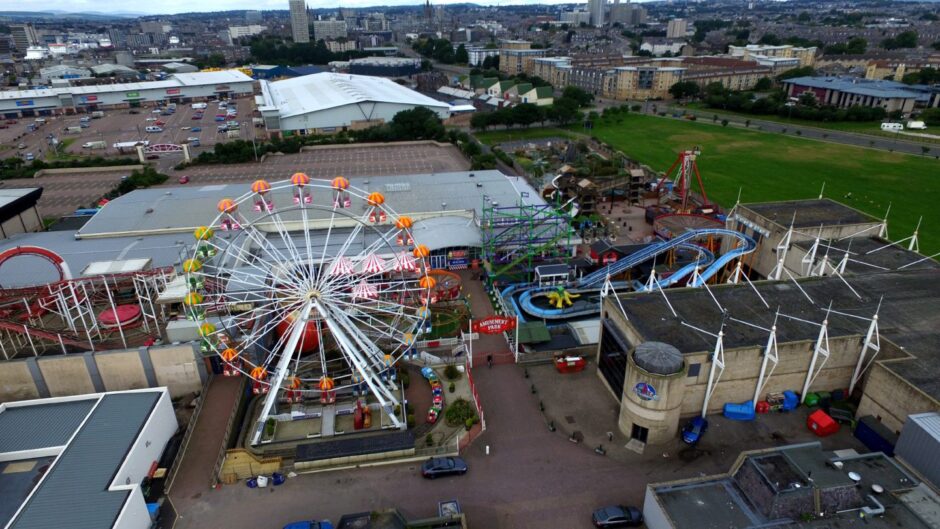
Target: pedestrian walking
489,360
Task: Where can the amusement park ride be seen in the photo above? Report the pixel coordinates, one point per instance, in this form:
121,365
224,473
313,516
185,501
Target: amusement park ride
310,313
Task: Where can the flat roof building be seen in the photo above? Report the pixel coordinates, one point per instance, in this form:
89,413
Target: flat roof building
79,462
844,92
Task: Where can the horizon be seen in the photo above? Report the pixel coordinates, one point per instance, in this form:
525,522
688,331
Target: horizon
176,7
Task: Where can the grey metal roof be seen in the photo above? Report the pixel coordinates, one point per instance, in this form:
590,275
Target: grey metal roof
74,492
853,85
447,232
163,249
658,357
41,425
184,208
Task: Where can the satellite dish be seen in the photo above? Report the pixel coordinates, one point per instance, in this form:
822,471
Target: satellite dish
838,464
855,476
876,488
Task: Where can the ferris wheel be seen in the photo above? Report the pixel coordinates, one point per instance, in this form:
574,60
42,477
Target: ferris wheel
313,288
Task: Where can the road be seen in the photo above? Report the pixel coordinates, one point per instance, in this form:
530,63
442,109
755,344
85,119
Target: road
834,136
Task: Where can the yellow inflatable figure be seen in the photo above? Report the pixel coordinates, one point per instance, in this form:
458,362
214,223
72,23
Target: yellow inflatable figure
561,298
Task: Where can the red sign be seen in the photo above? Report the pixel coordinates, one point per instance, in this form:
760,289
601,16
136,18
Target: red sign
172,91
494,325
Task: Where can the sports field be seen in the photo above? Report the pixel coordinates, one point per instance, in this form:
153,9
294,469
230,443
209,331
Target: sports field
769,167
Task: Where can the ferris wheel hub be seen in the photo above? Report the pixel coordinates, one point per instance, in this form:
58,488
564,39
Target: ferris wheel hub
313,294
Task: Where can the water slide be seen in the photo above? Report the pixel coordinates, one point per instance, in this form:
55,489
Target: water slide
589,285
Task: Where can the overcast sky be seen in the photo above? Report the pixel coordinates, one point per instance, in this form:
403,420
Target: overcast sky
183,6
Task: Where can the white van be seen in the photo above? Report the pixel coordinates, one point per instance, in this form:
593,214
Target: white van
916,125
892,127
199,106
153,128
94,145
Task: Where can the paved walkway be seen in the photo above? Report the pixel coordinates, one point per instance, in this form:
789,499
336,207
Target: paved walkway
195,468
480,307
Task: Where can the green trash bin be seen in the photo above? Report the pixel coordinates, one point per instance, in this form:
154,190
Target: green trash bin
811,400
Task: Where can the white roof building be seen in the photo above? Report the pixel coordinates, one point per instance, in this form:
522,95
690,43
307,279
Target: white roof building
325,102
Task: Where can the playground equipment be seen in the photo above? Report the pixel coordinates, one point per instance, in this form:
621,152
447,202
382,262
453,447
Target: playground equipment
348,302
681,189
515,238
561,298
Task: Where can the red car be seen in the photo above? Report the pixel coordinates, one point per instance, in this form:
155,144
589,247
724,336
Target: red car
184,179
159,123
196,116
12,122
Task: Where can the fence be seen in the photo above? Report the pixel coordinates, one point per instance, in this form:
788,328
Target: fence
476,396
190,428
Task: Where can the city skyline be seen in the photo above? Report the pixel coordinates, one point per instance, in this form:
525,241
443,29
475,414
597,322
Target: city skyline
171,7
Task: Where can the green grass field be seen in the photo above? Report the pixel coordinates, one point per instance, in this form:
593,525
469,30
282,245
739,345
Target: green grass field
770,167
868,128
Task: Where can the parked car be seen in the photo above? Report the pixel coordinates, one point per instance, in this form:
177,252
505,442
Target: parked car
4,126
312,524
183,179
196,117
132,111
153,156
617,516
30,157
222,118
443,466
193,140
151,119
12,122
693,431
156,111
159,123
195,129
40,120
184,128
21,146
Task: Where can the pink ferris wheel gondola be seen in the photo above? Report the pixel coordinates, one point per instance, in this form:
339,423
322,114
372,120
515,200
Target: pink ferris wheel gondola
341,267
373,264
365,290
404,262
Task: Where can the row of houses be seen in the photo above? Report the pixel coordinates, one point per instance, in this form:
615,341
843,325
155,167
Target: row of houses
498,93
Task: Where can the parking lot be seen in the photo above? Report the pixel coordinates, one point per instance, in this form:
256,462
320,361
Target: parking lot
362,160
63,194
126,125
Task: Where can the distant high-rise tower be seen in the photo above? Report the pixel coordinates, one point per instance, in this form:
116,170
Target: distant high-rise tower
596,8
428,12
299,24
24,36
677,28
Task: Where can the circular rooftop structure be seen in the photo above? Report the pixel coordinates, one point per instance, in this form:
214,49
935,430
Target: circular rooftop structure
658,358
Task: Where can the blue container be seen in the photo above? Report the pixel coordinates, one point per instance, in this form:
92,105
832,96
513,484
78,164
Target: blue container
876,436
790,400
740,412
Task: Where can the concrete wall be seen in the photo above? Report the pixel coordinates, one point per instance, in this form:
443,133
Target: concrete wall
153,438
345,115
178,367
27,221
66,375
653,513
121,370
890,398
16,382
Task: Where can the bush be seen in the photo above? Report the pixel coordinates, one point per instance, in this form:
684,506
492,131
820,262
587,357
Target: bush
405,379
269,426
469,423
636,108
429,440
16,167
451,372
411,420
451,387
458,412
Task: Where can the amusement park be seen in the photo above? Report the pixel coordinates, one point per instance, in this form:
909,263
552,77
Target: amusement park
303,327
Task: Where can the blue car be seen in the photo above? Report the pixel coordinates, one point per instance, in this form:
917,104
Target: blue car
195,129
217,118
312,524
693,431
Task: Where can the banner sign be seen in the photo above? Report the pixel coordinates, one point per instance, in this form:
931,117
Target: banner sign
494,325
132,95
25,103
172,91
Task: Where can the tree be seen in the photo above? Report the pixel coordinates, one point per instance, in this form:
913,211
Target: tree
906,39
491,63
461,56
579,96
763,84
684,89
526,114
419,123
931,116
805,71
564,111
855,46
481,120
770,39
808,99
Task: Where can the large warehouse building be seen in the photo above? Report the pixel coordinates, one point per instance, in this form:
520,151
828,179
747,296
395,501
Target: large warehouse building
329,102
177,88
80,461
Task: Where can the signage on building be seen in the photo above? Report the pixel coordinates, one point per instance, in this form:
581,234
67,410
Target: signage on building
456,254
458,264
132,95
25,103
89,99
494,325
645,391
172,91
223,88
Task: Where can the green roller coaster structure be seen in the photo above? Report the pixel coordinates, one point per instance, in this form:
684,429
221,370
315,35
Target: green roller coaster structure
516,238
